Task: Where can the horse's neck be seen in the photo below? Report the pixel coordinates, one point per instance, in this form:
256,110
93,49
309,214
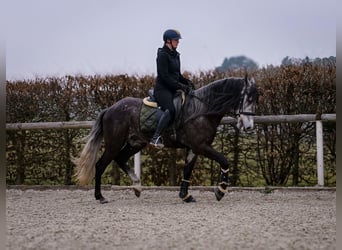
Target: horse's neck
195,109
208,102
218,99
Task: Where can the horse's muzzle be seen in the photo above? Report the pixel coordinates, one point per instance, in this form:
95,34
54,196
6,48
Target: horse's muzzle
245,122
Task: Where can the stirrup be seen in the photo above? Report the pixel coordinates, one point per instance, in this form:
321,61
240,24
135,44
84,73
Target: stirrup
157,142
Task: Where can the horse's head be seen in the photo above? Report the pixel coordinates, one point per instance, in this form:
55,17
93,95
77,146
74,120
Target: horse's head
248,101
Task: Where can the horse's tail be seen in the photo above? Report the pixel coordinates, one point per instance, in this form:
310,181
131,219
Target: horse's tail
85,164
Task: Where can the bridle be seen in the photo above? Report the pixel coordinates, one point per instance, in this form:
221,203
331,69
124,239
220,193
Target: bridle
240,110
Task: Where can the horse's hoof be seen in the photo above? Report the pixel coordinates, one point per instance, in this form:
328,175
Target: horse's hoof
137,191
103,200
219,195
189,199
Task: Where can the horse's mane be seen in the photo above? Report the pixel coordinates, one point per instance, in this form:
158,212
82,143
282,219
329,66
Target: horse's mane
216,98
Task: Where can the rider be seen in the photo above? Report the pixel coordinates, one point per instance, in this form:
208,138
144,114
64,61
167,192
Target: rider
169,80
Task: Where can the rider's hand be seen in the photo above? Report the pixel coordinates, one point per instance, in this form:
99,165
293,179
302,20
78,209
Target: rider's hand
191,85
185,88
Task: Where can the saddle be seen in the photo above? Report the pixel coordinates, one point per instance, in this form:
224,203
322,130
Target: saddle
151,100
150,112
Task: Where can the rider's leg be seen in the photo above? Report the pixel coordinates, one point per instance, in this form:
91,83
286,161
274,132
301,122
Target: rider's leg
163,122
165,101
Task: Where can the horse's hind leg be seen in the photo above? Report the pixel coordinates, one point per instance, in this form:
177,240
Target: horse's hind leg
122,159
189,166
100,167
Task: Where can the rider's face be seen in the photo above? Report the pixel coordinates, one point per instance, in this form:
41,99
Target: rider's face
174,43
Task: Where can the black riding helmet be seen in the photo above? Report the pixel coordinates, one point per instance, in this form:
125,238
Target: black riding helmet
171,34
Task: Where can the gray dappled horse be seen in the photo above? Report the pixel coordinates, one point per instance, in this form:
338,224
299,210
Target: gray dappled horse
202,112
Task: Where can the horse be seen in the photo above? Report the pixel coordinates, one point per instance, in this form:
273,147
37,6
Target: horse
202,111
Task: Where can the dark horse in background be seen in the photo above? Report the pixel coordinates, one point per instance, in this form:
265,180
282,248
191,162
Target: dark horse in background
202,112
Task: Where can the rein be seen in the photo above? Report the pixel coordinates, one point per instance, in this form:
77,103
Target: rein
191,93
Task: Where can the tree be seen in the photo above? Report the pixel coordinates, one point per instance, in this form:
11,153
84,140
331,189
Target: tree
237,62
299,61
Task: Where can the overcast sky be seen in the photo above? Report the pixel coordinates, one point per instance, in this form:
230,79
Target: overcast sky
59,37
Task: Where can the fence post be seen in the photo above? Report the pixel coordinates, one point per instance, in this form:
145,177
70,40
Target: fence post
137,167
320,162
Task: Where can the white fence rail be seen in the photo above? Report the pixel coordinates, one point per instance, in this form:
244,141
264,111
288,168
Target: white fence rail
226,120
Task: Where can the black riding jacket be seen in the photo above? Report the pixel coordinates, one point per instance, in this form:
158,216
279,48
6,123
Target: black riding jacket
168,70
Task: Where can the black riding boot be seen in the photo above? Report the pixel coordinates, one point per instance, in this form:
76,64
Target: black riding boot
163,122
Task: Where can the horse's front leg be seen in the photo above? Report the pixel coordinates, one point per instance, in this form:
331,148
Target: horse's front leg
189,166
211,153
221,189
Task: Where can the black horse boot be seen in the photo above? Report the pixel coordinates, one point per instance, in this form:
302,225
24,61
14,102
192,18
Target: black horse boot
163,122
221,189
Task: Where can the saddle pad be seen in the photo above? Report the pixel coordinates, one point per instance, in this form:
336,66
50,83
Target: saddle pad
148,118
